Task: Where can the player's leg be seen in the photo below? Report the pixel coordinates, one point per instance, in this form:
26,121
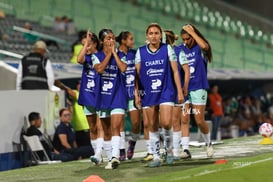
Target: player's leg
149,155
176,122
152,114
166,111
91,117
122,154
97,158
185,131
199,99
134,114
117,119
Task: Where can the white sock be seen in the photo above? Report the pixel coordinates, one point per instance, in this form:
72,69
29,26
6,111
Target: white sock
154,137
135,136
206,137
108,149
115,141
122,140
94,144
185,142
98,151
176,142
149,146
168,140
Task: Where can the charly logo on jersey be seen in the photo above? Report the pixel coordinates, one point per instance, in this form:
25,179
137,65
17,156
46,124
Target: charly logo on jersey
33,68
155,84
107,85
90,84
130,79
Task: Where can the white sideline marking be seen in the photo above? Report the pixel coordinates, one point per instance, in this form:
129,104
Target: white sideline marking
236,165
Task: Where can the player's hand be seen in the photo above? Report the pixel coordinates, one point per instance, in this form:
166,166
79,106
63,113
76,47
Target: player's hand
180,98
188,28
185,91
113,46
108,48
137,100
88,36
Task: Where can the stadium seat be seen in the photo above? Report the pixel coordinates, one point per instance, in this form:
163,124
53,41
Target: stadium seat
125,15
35,145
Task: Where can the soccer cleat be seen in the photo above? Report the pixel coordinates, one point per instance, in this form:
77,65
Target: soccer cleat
148,158
164,156
155,163
186,154
109,165
210,150
115,163
95,160
169,158
176,158
122,156
131,148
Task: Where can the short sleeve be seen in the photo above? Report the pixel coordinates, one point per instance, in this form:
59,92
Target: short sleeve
95,60
171,54
182,58
137,57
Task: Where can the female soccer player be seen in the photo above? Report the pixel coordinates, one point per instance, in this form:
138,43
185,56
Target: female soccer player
157,74
113,100
126,44
198,53
89,90
184,72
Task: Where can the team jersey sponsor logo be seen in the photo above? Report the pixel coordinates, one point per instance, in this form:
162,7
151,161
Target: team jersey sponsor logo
156,83
154,62
90,84
129,79
155,72
107,86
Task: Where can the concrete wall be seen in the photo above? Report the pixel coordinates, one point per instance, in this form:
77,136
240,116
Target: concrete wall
15,105
8,76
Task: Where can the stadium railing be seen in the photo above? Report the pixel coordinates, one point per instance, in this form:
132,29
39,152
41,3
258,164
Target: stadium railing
41,35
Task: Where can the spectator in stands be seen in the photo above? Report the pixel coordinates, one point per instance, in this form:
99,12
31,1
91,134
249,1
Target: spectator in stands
270,110
3,35
257,113
244,118
35,70
35,121
2,14
216,106
65,21
59,24
71,28
64,140
29,36
77,46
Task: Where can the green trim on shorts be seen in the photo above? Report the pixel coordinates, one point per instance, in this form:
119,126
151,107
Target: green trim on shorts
198,97
117,111
88,110
104,113
167,103
131,105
